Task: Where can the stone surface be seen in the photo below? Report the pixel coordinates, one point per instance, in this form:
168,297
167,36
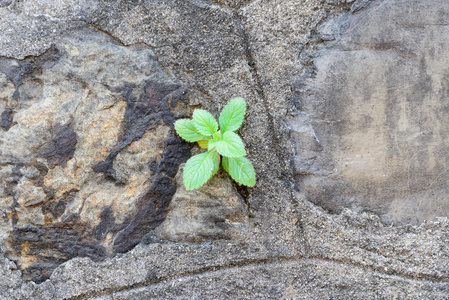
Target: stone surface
73,172
351,256
308,279
91,192
214,211
377,104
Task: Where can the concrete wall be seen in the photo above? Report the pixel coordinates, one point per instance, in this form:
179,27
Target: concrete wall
345,125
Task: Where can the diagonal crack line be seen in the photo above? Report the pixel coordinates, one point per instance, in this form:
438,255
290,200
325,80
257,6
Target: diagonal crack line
275,139
260,262
156,280
98,28
381,269
258,85
120,42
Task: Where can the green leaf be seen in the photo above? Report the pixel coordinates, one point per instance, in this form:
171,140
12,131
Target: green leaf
232,115
216,159
230,145
215,139
198,170
204,122
187,130
242,171
225,163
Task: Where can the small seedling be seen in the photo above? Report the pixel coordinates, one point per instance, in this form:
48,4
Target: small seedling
203,128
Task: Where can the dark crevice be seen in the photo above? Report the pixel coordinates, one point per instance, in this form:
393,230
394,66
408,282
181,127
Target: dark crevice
156,280
118,41
231,6
275,139
93,26
244,193
307,56
384,270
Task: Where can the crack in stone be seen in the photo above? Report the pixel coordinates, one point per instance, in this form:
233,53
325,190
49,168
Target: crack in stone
259,89
385,271
275,140
153,281
259,262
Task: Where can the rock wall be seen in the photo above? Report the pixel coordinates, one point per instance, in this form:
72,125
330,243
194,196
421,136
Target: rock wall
377,101
345,126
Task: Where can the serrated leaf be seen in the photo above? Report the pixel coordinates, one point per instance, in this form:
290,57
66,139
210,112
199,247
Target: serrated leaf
225,163
198,170
187,130
231,117
204,122
216,159
230,145
203,143
242,171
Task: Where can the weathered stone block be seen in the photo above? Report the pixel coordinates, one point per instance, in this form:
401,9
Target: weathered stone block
378,105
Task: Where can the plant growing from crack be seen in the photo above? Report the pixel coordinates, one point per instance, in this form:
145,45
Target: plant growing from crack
203,128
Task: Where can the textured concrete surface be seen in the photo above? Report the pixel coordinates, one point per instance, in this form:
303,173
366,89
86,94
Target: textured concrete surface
89,92
291,279
377,101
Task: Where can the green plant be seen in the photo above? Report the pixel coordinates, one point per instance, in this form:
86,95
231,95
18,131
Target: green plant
203,128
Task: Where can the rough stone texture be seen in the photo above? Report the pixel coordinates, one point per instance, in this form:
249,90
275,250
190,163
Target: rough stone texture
288,280
73,172
89,91
214,211
352,256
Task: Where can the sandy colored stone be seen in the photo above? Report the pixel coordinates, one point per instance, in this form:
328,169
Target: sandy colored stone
214,211
69,110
